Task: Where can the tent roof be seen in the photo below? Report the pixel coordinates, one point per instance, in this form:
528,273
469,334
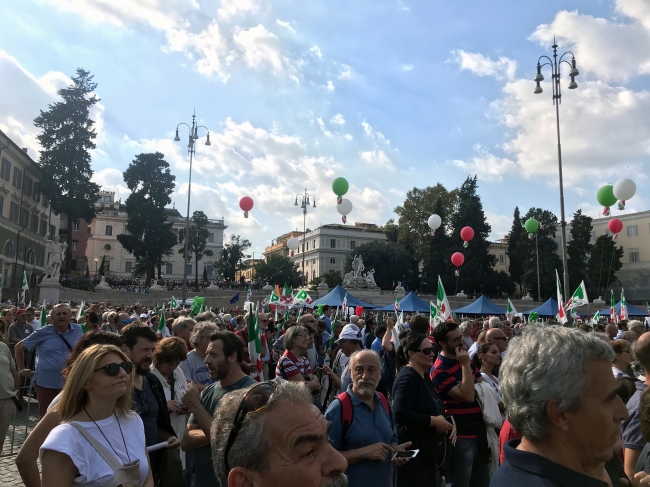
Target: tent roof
335,298
631,310
482,306
409,303
548,308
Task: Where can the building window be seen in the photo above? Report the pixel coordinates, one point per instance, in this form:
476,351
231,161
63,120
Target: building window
33,224
107,266
128,266
332,260
210,237
9,249
30,258
37,194
107,247
18,178
333,243
313,261
632,231
501,259
24,217
169,269
109,230
43,228
75,226
75,243
208,270
2,205
303,247
353,244
29,185
13,211
5,169
52,231
188,269
634,255
46,202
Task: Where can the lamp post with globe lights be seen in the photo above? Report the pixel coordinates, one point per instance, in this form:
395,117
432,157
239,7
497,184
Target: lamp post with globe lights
555,65
191,147
305,198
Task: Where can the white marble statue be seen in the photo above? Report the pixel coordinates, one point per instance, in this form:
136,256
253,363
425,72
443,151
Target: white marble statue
102,284
348,279
55,255
399,287
357,266
370,279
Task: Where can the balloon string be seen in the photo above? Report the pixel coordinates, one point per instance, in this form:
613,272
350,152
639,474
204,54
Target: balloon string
465,244
606,211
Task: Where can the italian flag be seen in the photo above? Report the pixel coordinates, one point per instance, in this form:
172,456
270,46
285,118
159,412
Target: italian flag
287,297
81,311
344,305
24,287
303,297
255,344
162,325
579,297
174,303
396,306
432,316
612,308
510,310
561,315
623,311
443,310
42,320
596,318
249,294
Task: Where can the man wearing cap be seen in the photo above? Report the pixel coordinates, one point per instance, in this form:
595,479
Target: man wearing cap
350,342
20,329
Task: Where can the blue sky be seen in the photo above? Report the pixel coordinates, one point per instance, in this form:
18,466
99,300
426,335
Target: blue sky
389,94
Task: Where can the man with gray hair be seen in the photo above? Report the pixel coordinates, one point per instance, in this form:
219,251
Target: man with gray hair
495,322
636,327
183,328
270,435
193,366
561,397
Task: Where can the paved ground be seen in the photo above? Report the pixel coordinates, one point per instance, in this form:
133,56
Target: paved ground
8,472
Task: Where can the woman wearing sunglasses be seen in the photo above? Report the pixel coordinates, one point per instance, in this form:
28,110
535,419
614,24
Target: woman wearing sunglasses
101,441
419,413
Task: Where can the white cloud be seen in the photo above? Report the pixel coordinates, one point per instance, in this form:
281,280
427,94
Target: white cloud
316,52
636,9
373,134
348,137
261,48
487,167
321,124
286,25
111,179
407,67
503,68
330,85
231,8
377,158
338,119
501,225
401,6
345,72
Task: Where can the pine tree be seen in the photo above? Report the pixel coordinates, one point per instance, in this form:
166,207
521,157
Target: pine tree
604,261
198,241
579,248
66,139
436,262
517,248
549,259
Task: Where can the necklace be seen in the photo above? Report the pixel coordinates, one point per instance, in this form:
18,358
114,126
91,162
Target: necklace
109,443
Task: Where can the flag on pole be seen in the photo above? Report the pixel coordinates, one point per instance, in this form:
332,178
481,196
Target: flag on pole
612,308
561,315
432,316
81,310
234,299
197,306
396,306
510,310
255,344
623,311
162,325
330,344
174,303
595,318
443,310
287,297
42,321
249,294
25,287
579,297
303,297
344,305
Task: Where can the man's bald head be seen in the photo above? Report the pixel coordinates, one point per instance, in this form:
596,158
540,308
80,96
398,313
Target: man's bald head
498,337
364,355
611,330
642,351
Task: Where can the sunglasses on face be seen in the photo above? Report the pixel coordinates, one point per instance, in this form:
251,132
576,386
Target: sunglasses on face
425,351
114,369
254,400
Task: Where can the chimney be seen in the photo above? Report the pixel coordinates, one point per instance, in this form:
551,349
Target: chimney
25,150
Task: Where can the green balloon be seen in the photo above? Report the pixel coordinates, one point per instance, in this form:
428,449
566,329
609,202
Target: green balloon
340,186
534,316
606,196
531,225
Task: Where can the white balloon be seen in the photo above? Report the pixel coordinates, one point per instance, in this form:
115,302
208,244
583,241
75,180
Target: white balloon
344,207
293,243
624,189
434,222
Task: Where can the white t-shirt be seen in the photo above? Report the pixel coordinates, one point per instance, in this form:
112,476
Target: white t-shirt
93,470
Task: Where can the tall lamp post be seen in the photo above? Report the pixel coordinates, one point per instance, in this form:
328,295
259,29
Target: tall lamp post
555,65
191,147
305,202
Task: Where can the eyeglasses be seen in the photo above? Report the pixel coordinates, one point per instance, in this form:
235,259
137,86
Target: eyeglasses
499,338
425,351
254,400
114,369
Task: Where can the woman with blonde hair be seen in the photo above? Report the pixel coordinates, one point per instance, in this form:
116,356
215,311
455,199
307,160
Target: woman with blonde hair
101,441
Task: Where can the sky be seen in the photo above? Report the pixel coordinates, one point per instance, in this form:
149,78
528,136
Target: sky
390,94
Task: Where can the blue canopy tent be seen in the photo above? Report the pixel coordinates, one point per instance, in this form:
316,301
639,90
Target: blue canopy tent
548,309
631,310
335,298
482,306
409,304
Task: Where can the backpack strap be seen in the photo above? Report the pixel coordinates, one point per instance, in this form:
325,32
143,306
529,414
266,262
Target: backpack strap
347,413
384,402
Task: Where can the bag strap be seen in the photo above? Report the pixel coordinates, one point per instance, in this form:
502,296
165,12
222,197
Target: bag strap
384,402
347,413
101,449
64,341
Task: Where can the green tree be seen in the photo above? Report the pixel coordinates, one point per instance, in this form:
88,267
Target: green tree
391,230
391,261
604,261
549,259
197,244
66,140
517,247
436,262
278,269
497,283
332,278
232,255
149,235
579,249
479,263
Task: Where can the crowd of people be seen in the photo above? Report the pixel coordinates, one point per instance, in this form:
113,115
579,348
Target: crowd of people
371,400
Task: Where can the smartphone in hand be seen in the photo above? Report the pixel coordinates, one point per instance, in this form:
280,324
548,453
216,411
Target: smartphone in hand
406,454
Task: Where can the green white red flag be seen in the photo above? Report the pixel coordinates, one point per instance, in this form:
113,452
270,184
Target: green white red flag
613,318
443,310
578,298
25,287
510,310
595,318
561,314
623,311
81,311
303,297
255,344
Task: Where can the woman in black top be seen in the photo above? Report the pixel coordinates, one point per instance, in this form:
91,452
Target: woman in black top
419,413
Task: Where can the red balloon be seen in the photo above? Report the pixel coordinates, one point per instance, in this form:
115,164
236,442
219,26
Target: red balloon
359,311
246,203
467,234
457,259
615,225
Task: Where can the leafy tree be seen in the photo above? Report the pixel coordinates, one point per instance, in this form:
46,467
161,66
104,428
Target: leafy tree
391,261
479,262
391,230
579,248
198,242
497,283
332,278
278,269
604,261
232,255
549,260
66,139
517,247
436,262
149,235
